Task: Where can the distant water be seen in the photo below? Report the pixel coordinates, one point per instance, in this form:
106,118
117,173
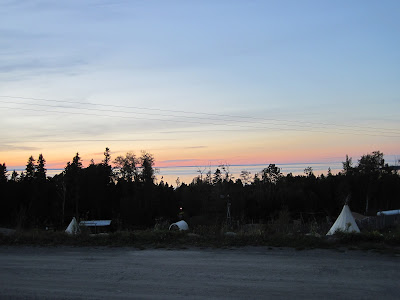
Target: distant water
187,174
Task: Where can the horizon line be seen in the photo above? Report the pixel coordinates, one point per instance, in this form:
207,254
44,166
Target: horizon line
19,168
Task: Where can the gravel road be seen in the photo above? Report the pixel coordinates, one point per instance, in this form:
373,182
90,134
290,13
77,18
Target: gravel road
244,273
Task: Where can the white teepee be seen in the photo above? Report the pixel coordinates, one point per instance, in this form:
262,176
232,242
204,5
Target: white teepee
345,222
73,227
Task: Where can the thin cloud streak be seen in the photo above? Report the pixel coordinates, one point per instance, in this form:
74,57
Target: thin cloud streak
7,147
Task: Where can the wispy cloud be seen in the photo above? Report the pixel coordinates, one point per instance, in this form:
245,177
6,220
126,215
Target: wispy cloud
21,68
178,160
7,147
195,147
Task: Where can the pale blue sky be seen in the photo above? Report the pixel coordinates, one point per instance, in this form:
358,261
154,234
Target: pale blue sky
325,72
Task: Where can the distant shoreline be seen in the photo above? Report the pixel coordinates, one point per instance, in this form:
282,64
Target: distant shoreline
187,173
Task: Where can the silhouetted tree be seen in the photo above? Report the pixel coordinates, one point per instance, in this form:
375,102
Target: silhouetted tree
208,177
371,163
370,167
72,184
22,176
272,174
225,170
138,201
5,195
256,179
309,172
245,177
3,172
217,178
14,176
40,173
126,167
147,171
107,156
30,169
347,166
96,190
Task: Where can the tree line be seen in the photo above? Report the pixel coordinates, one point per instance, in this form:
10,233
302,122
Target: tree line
127,193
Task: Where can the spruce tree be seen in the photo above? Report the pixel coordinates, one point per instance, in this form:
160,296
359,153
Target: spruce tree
40,173
107,156
147,163
30,169
3,172
71,184
14,176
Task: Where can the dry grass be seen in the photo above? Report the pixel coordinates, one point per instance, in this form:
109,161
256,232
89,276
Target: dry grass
211,236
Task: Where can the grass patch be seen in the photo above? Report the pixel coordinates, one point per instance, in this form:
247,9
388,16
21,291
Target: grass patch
211,237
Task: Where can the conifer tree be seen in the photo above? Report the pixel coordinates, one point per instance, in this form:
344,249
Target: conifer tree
40,173
30,169
272,174
348,166
147,163
107,156
14,176
3,172
71,184
217,176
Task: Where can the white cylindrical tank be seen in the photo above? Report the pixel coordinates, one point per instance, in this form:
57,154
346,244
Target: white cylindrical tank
389,212
182,225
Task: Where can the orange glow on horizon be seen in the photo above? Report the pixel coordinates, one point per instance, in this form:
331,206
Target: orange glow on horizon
238,152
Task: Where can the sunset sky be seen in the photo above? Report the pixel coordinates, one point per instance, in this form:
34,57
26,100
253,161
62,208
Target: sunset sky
199,82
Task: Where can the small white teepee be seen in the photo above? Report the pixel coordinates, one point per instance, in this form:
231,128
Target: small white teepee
73,227
345,222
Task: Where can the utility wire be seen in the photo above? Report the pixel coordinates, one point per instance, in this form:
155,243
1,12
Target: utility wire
208,123
296,123
197,123
152,114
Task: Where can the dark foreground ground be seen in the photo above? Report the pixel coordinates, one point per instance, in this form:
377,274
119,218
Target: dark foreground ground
243,273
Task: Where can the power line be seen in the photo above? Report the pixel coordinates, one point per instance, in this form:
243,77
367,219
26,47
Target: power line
112,111
125,112
126,117
98,140
295,123
197,123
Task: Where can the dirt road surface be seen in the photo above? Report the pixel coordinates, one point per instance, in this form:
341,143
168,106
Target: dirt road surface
244,273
